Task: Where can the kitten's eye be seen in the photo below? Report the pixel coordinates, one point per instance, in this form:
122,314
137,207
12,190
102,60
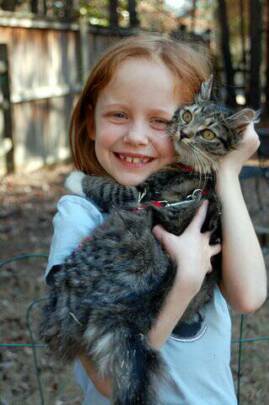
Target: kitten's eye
208,134
187,117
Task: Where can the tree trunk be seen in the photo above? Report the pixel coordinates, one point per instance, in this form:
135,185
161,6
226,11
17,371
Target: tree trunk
7,112
34,6
225,48
68,9
113,14
267,56
243,42
9,5
193,14
134,21
255,34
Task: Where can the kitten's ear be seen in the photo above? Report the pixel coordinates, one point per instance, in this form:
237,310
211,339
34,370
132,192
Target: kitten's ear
205,90
241,119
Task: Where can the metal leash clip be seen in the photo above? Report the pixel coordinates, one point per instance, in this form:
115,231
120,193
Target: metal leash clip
141,195
191,198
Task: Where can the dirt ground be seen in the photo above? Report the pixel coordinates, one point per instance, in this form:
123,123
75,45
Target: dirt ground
27,205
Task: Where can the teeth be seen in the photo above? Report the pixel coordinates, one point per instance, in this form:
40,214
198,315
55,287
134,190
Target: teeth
135,160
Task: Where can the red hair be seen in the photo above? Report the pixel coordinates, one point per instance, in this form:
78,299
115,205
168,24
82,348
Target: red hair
188,66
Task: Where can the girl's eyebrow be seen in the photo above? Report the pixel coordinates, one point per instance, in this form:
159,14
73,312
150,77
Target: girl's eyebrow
114,105
160,111
121,105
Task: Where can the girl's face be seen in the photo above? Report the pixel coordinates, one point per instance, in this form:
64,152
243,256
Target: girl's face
130,121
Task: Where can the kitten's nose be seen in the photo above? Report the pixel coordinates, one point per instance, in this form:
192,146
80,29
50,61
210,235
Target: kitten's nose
184,135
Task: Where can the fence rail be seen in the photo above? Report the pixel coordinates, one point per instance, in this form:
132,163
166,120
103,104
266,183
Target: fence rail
43,64
62,9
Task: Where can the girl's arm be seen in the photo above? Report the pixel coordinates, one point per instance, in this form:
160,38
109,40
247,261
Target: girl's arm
243,270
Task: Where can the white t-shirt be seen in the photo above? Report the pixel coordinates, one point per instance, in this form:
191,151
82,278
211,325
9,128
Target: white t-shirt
198,359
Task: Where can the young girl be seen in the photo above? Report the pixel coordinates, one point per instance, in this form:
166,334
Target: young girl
119,129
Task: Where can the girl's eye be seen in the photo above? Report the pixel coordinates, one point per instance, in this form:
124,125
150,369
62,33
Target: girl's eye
159,123
119,115
208,134
187,117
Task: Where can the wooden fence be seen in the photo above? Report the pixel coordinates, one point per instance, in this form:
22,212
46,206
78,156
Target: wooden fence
42,67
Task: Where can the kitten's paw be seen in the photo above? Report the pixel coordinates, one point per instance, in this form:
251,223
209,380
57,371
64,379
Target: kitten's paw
74,182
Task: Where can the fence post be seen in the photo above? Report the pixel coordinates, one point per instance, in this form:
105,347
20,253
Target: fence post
6,140
84,47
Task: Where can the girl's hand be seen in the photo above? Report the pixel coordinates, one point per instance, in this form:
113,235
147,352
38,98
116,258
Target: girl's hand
235,160
190,251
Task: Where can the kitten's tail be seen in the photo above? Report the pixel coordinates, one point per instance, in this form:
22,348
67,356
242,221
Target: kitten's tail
136,369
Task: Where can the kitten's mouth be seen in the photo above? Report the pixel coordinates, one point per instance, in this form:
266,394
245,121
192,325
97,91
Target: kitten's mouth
182,138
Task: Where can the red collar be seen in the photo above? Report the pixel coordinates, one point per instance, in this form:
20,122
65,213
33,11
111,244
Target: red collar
184,168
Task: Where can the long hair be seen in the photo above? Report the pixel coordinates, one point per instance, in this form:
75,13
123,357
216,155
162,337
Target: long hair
189,67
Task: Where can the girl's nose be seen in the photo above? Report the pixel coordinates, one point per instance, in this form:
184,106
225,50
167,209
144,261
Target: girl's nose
137,134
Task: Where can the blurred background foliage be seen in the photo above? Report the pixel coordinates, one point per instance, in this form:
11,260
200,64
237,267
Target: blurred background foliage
235,30
65,37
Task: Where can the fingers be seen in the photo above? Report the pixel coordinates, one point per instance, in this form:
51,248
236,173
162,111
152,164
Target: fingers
215,249
159,233
200,216
250,131
165,238
251,138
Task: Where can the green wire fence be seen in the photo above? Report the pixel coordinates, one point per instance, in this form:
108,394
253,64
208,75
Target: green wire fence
35,346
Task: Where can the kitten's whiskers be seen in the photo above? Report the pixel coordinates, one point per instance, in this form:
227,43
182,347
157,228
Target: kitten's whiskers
197,160
208,163
201,165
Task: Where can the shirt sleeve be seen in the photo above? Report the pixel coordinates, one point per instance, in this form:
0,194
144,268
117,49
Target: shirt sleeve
75,219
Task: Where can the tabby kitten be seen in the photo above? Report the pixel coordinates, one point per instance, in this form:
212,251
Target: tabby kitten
106,296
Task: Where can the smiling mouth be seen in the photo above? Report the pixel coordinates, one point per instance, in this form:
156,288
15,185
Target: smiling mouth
134,159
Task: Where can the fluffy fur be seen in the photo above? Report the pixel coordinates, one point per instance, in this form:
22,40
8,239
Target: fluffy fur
108,293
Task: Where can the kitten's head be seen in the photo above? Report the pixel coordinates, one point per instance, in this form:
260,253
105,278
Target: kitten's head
205,131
